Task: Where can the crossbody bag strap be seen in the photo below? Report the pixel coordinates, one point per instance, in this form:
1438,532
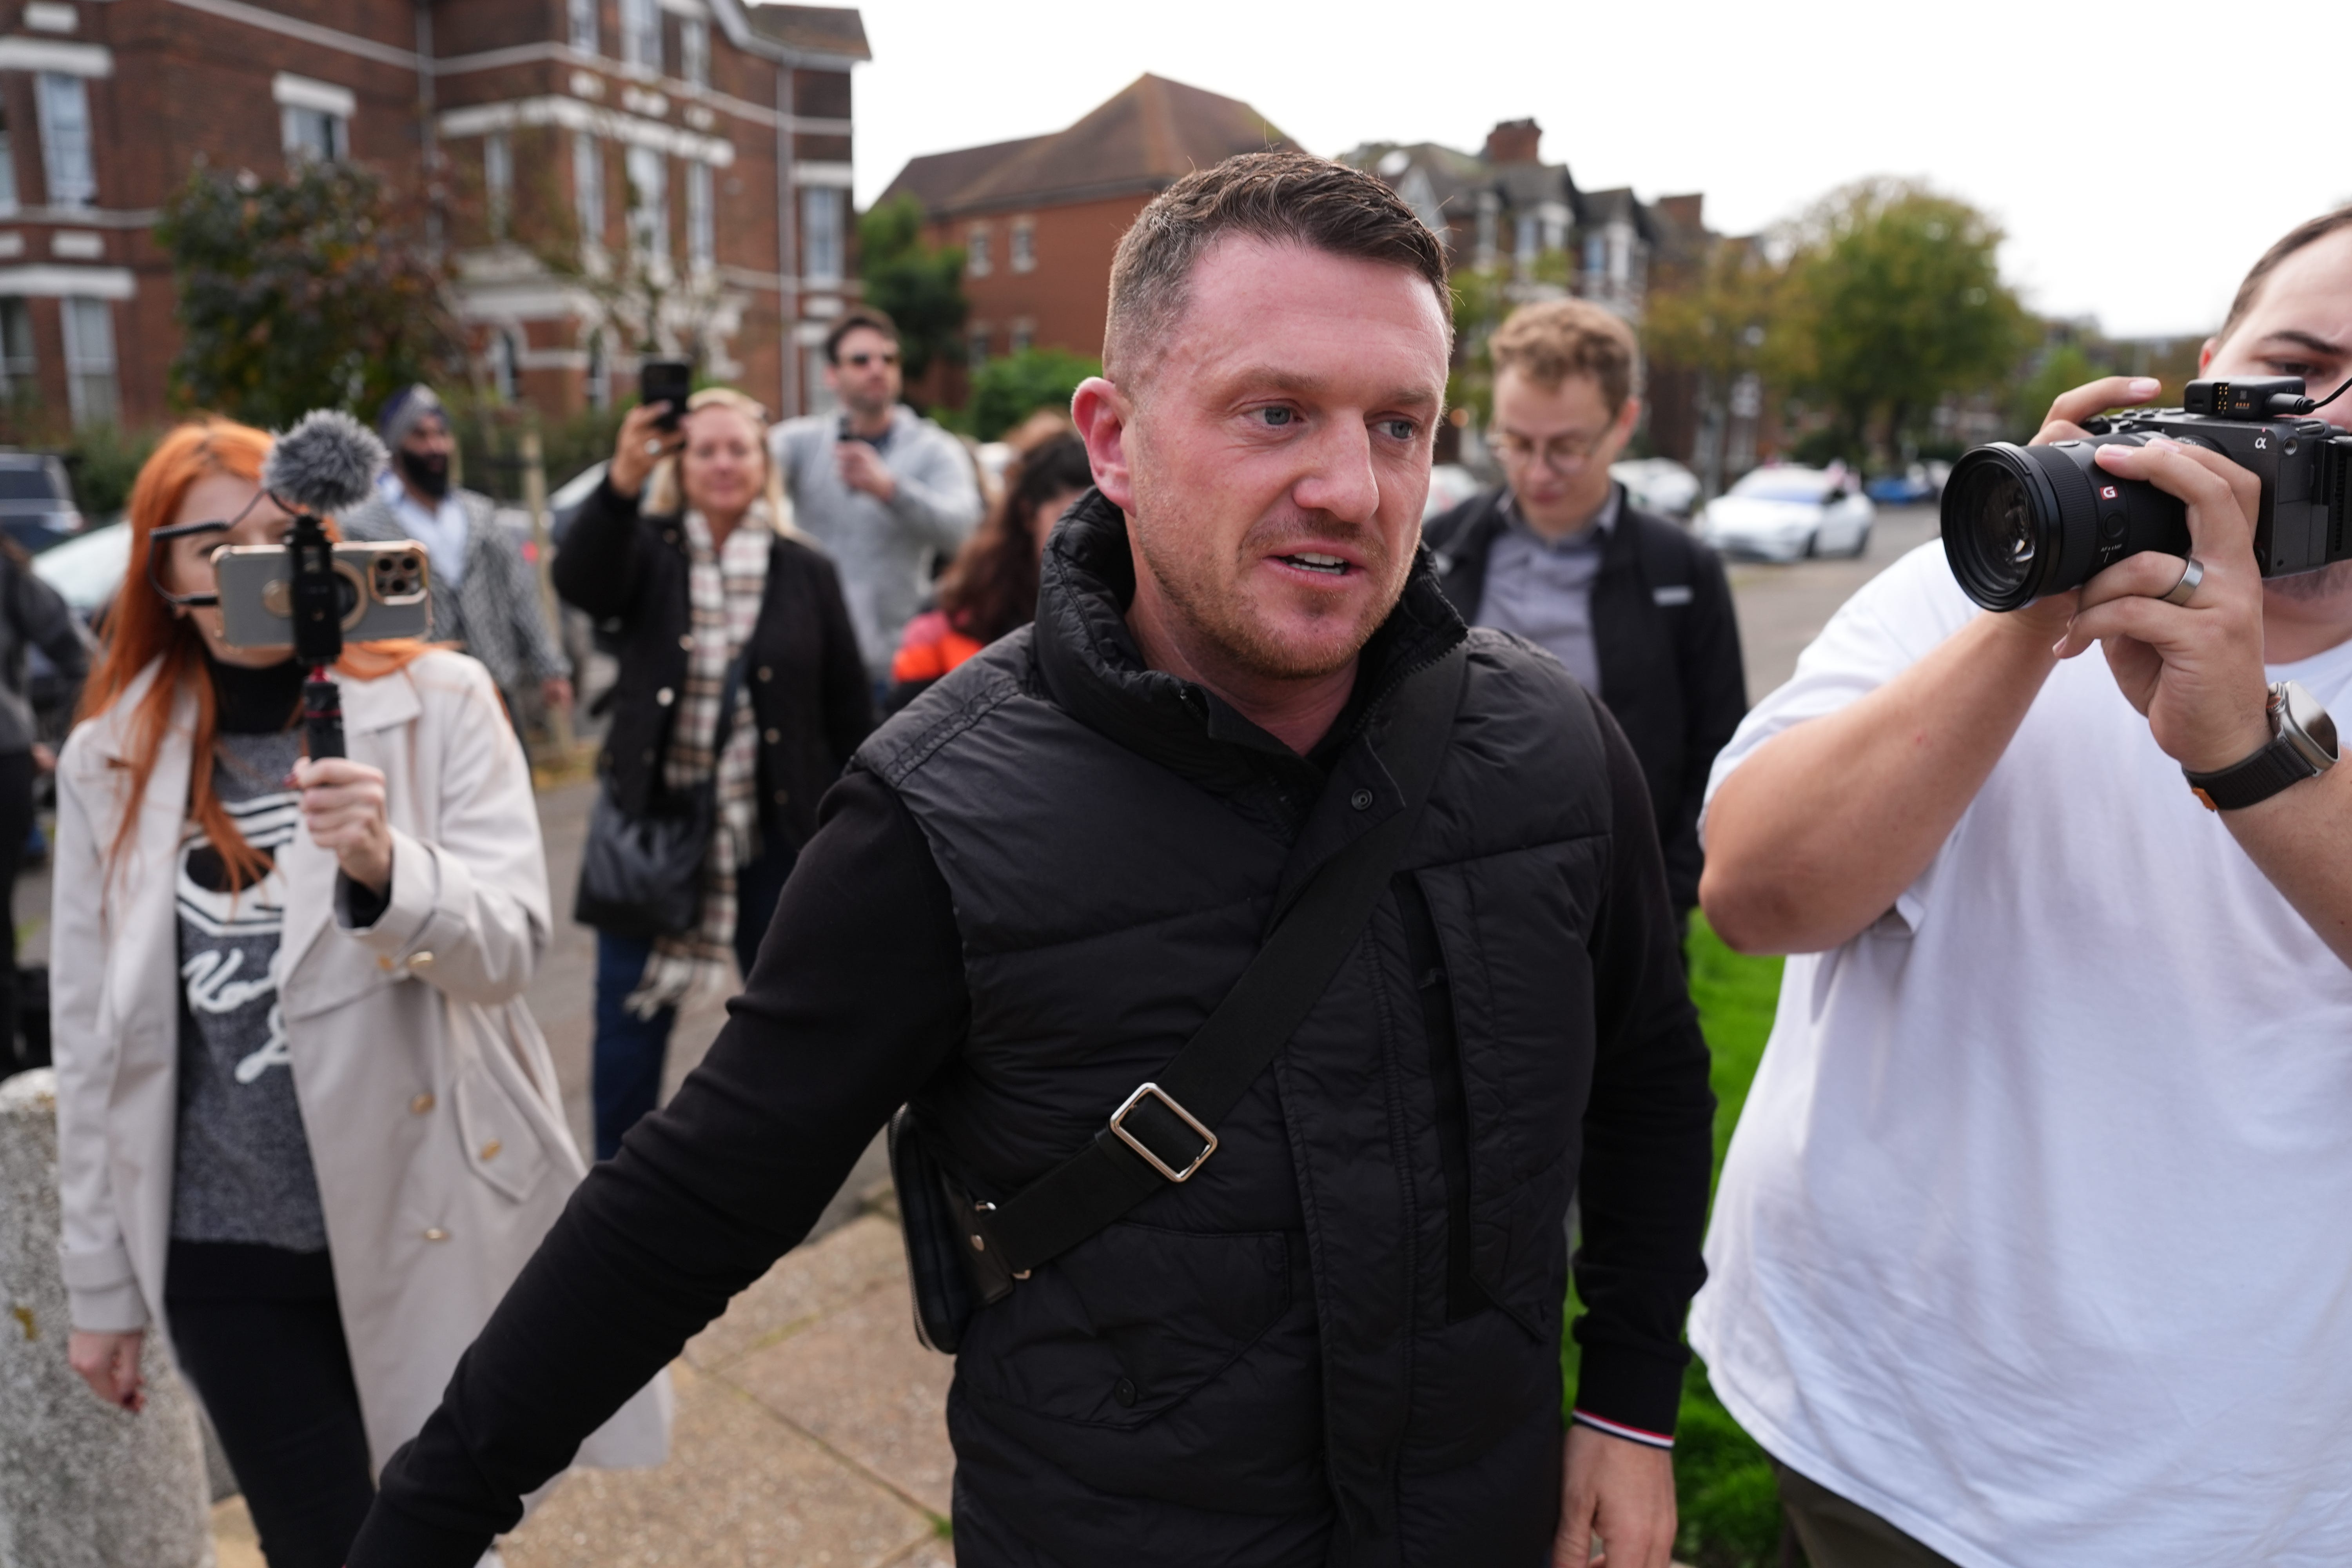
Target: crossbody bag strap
1164,1132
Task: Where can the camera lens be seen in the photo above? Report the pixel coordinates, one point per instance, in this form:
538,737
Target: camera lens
2020,522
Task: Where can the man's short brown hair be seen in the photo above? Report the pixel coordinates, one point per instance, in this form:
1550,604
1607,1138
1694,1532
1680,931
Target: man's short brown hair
2303,234
858,316
1549,341
1280,197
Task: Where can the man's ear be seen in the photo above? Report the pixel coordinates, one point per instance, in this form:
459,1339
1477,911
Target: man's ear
1103,415
1627,417
2205,356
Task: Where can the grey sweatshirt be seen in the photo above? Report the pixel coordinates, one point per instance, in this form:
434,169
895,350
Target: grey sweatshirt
884,552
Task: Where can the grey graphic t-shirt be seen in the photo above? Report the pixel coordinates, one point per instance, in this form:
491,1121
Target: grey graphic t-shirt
242,1169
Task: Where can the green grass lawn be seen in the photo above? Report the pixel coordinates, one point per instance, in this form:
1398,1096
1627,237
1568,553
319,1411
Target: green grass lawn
1730,1505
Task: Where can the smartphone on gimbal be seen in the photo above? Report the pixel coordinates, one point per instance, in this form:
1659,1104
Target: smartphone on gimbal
383,590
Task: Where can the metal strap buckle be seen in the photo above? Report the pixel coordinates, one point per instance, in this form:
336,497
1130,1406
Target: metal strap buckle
1118,1125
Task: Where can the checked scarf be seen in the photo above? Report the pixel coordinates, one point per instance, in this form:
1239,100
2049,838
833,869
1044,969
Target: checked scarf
724,590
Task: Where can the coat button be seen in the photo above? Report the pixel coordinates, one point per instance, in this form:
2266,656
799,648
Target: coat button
420,1105
434,1233
1124,1392
767,674
383,960
669,535
1362,800
649,756
420,962
664,697
775,736
686,641
784,797
491,1150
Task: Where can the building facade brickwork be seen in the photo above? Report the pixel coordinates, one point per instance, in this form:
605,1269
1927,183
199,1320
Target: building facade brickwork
589,165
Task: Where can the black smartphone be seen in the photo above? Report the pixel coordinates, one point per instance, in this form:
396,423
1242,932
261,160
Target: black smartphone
668,381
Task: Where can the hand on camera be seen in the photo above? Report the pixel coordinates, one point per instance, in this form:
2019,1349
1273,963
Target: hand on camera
108,1362
343,809
2194,670
2047,617
640,446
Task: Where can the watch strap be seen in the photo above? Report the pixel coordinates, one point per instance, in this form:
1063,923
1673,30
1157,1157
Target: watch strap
2253,781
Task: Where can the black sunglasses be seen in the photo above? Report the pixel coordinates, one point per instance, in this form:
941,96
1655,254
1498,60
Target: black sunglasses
859,361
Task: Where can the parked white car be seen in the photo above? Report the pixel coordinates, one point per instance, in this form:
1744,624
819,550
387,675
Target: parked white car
1786,513
1658,484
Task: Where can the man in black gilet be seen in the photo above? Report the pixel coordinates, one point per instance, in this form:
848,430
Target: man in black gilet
1337,1340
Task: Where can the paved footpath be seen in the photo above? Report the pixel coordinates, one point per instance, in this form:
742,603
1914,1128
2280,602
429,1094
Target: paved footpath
810,1431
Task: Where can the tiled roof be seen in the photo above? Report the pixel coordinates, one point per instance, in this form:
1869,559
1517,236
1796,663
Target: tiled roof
816,29
1147,137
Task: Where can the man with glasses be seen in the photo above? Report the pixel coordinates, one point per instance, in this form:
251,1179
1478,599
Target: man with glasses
1635,607
885,491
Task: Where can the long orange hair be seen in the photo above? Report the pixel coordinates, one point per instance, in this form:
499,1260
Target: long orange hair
140,629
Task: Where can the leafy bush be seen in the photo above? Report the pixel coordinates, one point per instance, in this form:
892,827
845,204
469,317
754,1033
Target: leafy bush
103,461
1006,391
918,287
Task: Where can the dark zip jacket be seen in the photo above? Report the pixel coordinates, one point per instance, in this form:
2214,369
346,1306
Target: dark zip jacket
1339,1342
1668,640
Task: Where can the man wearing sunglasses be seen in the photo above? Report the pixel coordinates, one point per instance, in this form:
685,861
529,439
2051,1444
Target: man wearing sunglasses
884,489
1636,608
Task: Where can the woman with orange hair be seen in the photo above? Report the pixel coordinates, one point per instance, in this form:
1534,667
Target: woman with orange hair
305,1124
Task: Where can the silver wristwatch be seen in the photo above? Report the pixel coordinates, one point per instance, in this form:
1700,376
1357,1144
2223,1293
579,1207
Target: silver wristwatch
2302,746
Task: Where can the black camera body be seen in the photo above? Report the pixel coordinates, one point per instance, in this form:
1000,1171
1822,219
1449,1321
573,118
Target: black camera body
2020,522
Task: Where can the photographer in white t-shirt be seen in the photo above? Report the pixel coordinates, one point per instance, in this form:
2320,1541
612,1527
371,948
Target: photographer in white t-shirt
2030,1249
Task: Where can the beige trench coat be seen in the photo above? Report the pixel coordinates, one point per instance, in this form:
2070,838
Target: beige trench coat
426,1090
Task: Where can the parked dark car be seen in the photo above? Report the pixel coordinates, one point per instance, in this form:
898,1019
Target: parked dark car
36,504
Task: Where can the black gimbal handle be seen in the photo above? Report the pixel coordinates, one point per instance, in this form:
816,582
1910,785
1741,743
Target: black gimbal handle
318,632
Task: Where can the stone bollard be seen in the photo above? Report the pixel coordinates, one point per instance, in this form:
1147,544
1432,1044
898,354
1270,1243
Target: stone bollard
82,1485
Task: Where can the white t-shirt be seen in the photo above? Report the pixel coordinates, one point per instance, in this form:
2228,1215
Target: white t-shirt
2035,1236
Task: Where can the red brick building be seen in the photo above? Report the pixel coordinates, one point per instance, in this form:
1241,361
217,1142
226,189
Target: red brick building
1039,218
706,144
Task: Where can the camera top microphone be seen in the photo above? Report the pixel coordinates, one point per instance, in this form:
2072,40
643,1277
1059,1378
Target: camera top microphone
327,464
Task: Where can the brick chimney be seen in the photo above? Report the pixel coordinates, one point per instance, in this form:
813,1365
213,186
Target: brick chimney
1514,141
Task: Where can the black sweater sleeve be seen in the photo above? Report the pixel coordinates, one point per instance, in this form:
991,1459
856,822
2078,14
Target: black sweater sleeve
596,569
856,999
1715,700
1648,1133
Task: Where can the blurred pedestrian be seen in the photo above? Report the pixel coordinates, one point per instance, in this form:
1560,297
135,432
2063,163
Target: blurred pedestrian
1265,1232
689,544
486,599
992,587
2030,1244
1637,609
32,614
305,1124
887,492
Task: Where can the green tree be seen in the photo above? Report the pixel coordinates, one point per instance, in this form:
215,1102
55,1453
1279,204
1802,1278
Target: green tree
1896,301
1006,391
304,293
1728,320
919,287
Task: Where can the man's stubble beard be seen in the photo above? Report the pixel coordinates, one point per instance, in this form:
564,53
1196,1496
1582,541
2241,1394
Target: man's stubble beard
2308,587
1217,615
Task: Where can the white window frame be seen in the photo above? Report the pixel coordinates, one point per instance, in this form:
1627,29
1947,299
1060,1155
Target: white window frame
1021,248
588,187
649,205
701,221
68,152
694,50
314,118
977,262
975,345
586,29
504,353
93,385
824,248
8,201
498,183
641,35
599,375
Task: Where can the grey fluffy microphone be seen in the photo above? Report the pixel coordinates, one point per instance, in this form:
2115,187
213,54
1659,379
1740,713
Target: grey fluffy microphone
326,464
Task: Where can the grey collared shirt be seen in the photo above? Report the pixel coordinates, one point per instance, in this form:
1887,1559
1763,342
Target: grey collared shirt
1543,589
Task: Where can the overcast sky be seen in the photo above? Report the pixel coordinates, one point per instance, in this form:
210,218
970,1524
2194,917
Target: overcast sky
2118,147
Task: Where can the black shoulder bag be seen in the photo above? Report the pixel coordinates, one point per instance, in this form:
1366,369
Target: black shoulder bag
641,876
963,1253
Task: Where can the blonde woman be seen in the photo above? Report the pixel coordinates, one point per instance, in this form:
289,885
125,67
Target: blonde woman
306,1125
688,546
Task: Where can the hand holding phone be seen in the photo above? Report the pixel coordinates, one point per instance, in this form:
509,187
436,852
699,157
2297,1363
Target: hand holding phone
669,382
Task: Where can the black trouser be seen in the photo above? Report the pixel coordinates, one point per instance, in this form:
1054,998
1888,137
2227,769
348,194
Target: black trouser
15,827
258,1332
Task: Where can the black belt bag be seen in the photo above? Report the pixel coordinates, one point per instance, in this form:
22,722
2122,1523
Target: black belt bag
963,1253
641,873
